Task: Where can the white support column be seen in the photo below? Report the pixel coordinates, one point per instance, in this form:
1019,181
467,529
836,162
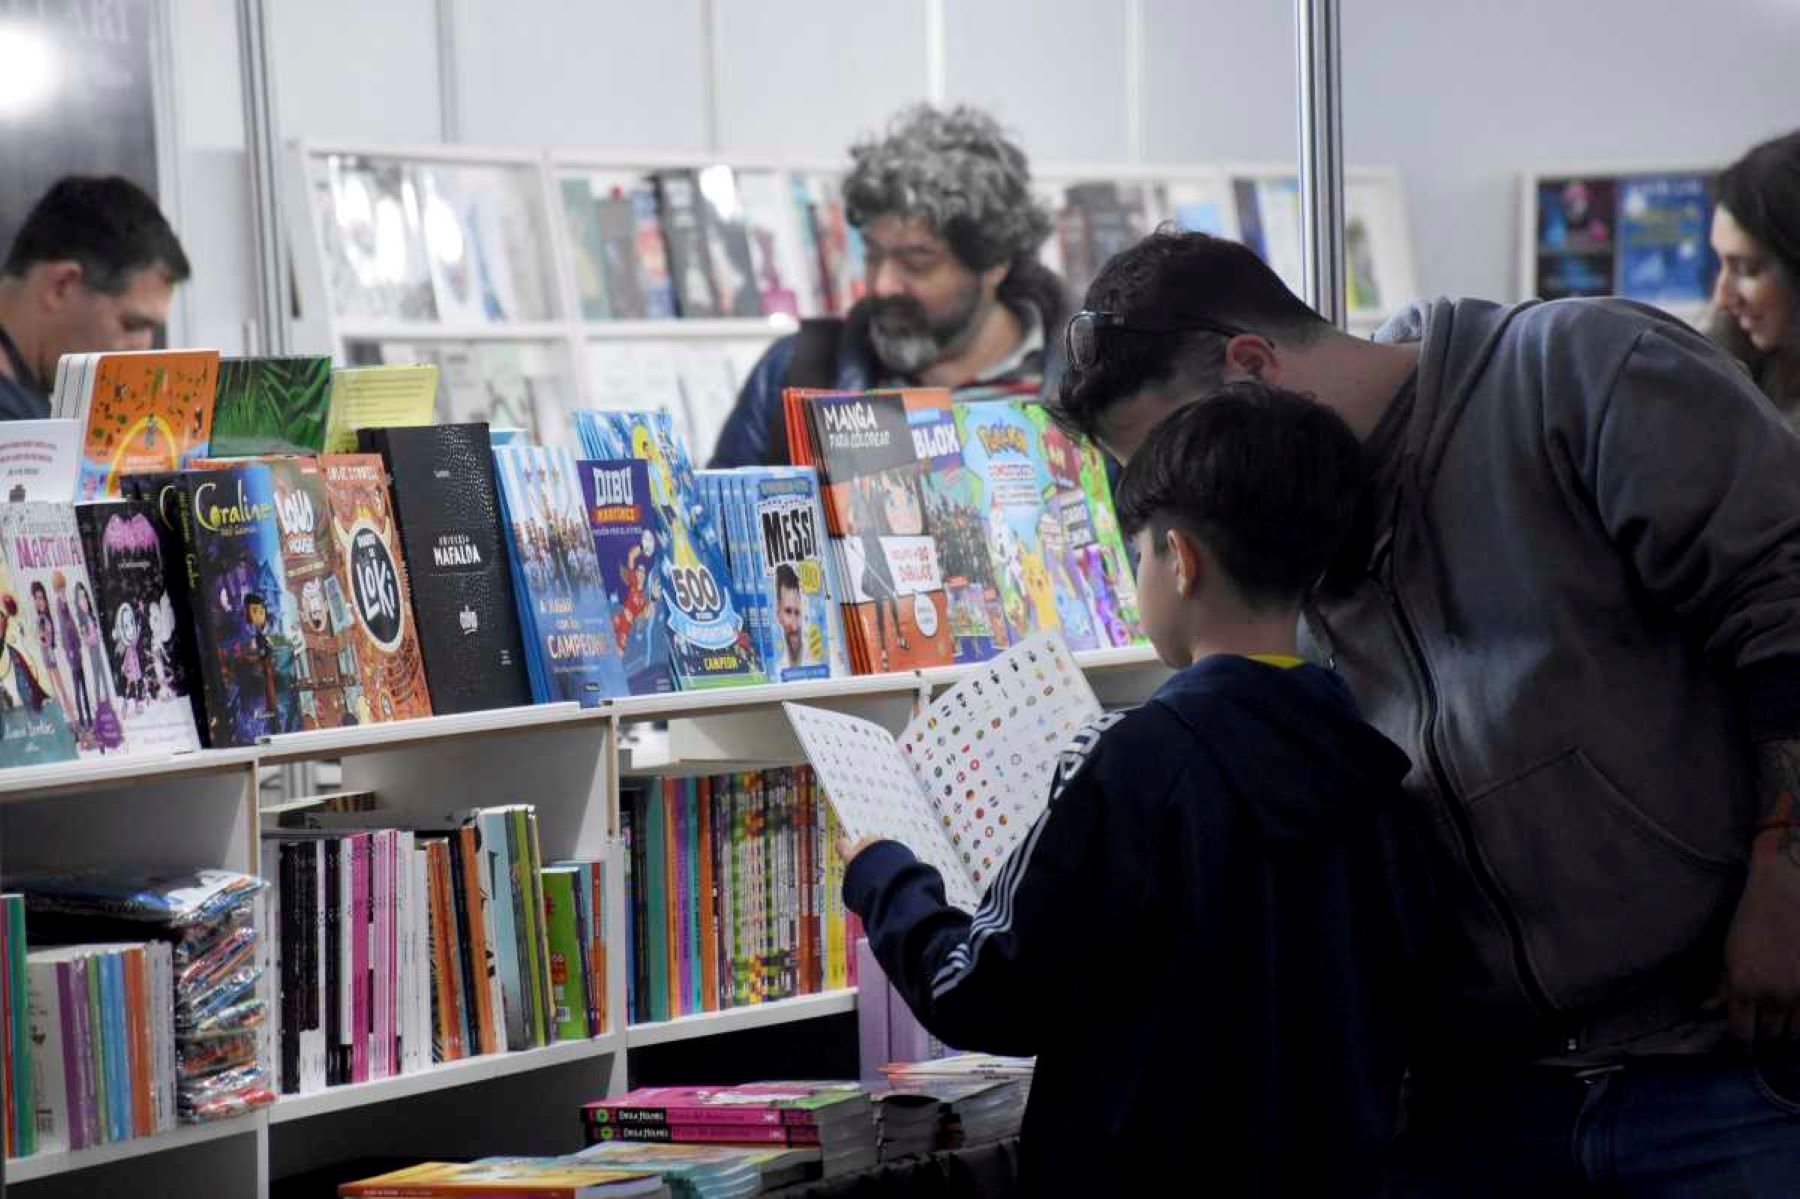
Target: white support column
1318,44
262,133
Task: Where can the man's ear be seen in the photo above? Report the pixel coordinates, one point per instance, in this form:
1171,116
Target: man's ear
1250,356
992,277
55,284
1190,562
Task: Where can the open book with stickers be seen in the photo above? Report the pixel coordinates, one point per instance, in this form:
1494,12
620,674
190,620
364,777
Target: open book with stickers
963,783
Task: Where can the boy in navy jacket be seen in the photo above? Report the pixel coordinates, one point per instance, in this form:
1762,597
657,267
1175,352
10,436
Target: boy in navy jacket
1203,938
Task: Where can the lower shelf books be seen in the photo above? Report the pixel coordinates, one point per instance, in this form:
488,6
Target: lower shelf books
835,1117
549,1177
735,891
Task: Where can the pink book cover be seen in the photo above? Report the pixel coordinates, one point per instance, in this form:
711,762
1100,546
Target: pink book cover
712,1134
871,1016
398,945
381,976
360,966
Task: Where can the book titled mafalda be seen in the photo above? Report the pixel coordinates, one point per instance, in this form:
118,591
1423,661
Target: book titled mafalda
234,560
447,508
562,597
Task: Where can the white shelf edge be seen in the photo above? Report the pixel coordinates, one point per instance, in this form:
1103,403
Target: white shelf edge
287,747
25,782
49,1165
737,1019
1119,657
550,330
678,704
678,327
440,1077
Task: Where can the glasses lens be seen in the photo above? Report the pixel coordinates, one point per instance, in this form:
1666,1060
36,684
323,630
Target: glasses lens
1082,338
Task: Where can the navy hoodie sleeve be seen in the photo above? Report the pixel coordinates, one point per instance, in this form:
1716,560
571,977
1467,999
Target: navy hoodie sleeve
744,441
989,982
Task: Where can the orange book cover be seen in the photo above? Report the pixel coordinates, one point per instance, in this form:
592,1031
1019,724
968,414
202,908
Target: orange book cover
137,1034
708,900
148,412
443,951
482,1002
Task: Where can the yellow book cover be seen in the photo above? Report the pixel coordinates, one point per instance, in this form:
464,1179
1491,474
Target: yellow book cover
551,1178
374,397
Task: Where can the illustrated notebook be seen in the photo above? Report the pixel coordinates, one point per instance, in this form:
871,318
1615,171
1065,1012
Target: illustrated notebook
964,782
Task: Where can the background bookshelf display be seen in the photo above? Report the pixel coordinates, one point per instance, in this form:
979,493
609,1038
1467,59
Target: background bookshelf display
1641,231
390,244
203,809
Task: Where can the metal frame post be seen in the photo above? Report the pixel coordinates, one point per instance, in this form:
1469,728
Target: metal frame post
1318,44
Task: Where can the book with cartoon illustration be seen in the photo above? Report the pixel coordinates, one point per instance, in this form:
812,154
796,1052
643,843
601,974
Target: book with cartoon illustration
628,546
1094,569
36,716
977,621
964,782
785,542
709,642
144,411
314,602
567,619
146,647
271,406
1006,486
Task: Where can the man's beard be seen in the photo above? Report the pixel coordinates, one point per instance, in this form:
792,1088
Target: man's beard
907,340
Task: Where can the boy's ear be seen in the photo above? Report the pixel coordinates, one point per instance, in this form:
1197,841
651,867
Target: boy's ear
1189,562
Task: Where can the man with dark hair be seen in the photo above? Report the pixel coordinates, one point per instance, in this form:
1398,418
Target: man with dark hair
94,267
1573,596
957,297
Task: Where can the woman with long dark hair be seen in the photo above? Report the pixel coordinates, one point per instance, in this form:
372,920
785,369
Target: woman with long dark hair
1756,300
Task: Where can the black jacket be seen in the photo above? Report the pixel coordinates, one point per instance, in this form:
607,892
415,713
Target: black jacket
1203,941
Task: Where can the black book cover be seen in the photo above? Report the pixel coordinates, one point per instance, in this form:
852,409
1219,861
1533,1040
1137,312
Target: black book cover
162,491
684,234
631,815
728,240
618,257
337,1060
465,942
292,951
448,512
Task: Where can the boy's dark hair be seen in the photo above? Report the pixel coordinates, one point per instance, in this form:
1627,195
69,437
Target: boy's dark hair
1163,281
1267,479
109,225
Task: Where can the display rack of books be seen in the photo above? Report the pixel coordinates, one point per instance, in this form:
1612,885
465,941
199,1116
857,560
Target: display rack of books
1642,232
541,281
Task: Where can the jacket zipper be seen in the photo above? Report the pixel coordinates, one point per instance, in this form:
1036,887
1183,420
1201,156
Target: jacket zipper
1440,779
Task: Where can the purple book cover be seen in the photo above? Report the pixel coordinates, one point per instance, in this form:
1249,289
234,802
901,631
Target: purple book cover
74,1053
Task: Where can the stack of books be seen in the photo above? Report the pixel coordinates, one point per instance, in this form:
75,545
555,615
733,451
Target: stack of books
835,1118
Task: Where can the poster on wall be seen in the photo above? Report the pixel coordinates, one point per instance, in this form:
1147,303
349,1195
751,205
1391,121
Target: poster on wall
76,97
1665,255
1576,223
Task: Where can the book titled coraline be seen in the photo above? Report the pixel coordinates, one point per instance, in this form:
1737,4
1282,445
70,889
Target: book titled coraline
709,644
562,597
628,549
234,560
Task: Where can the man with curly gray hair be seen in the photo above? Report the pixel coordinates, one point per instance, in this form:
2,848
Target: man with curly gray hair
956,296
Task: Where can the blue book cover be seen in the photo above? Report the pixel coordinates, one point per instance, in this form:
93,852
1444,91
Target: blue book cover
562,594
1665,255
615,495
709,643
1007,485
118,1047
806,633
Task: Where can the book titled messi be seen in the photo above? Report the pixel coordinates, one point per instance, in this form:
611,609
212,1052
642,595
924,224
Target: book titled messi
447,507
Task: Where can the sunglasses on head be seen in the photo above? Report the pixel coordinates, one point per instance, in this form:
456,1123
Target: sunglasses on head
1081,340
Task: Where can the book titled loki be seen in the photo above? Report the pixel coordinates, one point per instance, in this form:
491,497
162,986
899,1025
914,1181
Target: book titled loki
448,511
235,575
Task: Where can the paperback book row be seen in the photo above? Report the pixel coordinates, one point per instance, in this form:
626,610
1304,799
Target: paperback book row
736,893
399,947
837,1118
135,1006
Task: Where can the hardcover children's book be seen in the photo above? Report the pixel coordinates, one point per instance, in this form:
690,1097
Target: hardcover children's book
977,621
709,643
235,574
786,543
145,645
35,727
1007,482
628,546
148,411
172,632
39,460
562,595
271,406
43,548
383,669
965,781
315,600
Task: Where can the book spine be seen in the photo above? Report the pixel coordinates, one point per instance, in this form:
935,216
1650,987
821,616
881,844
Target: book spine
654,943
707,860
381,977
53,1099
137,1032
531,865
117,1049
469,907
448,1042
24,1076
709,1134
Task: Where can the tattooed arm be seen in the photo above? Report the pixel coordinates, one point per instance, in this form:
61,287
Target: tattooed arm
1762,954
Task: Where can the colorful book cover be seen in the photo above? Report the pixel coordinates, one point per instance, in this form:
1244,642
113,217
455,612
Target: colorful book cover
1665,256
977,621
271,406
875,506
563,597
314,602
552,1178
709,644
805,635
148,412
1092,570
1000,449
568,984
628,549
372,397
235,575
654,276
383,670
728,243
146,646
1118,573
43,550
1576,246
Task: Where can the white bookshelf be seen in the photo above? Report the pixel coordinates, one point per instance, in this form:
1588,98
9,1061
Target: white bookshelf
201,809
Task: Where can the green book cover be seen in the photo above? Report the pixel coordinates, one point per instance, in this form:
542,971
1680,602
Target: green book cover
97,1049
531,903
270,406
20,1032
568,988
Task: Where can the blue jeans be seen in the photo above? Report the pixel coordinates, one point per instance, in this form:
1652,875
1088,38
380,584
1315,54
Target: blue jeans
1660,1128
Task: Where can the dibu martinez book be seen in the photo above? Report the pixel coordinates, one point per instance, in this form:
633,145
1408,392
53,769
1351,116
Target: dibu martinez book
1000,449
234,563
315,598
447,509
976,620
146,646
804,636
271,406
875,504
628,546
145,412
562,596
43,548
709,642
34,722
